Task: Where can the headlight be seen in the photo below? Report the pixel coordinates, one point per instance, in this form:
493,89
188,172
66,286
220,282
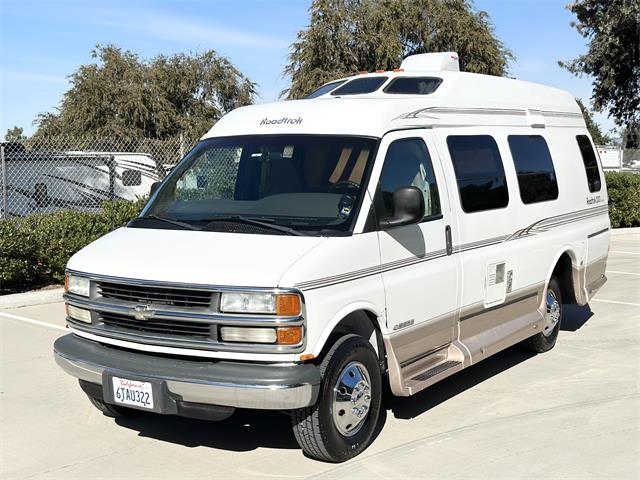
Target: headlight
248,335
78,314
282,304
77,285
280,335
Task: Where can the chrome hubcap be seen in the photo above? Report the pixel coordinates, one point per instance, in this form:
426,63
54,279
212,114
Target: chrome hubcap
552,317
351,399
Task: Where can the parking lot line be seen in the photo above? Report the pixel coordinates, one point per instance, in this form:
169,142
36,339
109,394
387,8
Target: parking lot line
623,273
628,253
32,321
614,301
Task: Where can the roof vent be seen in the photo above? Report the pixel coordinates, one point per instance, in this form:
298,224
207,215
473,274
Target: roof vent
431,62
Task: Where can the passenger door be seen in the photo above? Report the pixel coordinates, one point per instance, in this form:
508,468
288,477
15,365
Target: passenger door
419,272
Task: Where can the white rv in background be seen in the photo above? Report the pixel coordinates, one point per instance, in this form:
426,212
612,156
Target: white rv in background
390,230
43,182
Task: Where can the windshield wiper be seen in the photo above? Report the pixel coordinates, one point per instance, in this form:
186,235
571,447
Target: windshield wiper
251,221
183,225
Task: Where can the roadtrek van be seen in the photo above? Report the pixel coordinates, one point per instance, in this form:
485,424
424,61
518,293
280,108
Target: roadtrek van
392,228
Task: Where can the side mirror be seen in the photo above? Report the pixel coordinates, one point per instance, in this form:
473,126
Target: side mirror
408,208
131,178
154,187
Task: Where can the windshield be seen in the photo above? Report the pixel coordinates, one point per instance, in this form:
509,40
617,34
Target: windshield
308,183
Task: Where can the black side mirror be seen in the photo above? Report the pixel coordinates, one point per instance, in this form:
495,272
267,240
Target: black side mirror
408,208
154,187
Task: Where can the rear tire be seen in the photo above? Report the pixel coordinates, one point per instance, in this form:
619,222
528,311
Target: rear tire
342,422
546,339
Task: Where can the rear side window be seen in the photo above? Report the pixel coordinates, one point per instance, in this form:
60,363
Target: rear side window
536,175
413,85
326,88
590,163
479,172
360,85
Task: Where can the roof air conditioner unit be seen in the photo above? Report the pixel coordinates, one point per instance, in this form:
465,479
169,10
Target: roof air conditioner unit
431,62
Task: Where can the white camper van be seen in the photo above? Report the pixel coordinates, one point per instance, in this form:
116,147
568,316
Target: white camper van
44,182
393,228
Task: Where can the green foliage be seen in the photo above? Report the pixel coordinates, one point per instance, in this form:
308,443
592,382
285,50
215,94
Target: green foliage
123,96
347,36
624,199
35,249
599,138
14,134
612,30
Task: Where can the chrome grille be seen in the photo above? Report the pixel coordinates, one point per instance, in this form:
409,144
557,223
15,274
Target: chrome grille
174,328
176,297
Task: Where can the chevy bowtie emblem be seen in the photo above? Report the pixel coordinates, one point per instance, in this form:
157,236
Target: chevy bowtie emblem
141,312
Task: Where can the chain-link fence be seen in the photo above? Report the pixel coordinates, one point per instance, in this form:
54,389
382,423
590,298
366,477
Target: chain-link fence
43,175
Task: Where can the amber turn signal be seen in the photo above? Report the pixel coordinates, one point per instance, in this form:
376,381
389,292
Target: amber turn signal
288,305
289,335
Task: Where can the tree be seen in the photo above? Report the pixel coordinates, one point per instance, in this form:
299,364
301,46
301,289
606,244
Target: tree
121,95
612,29
599,138
347,36
14,134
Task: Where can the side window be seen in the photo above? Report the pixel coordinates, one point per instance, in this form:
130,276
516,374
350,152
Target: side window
590,163
408,164
536,175
479,172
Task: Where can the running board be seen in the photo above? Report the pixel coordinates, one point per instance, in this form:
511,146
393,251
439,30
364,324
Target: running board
411,377
434,374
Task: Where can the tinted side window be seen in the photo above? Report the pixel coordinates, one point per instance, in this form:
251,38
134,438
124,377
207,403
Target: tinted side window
479,172
408,164
413,85
360,85
325,89
536,175
590,163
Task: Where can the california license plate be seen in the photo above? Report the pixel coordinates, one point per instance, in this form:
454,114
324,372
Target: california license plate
132,392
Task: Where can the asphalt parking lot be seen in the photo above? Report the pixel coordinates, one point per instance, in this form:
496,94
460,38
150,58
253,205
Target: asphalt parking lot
573,412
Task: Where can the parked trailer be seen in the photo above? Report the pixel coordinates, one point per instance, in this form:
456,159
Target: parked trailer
394,228
42,182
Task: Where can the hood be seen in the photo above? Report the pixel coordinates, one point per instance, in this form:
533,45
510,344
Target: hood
182,256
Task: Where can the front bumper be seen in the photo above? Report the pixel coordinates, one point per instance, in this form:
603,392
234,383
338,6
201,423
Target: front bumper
223,383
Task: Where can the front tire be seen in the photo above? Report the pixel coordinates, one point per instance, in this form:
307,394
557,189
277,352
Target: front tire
342,422
546,339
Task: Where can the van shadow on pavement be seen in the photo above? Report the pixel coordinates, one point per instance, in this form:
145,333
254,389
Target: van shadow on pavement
248,430
245,430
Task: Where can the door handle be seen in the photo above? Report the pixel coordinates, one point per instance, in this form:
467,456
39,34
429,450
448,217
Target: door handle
447,236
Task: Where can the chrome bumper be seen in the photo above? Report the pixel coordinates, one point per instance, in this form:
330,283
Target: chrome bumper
233,384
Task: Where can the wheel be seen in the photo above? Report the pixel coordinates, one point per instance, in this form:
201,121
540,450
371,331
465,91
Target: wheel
546,339
113,411
342,422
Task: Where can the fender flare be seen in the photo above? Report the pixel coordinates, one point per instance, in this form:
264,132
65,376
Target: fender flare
578,284
340,315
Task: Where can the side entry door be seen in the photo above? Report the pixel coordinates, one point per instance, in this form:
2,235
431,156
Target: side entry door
419,272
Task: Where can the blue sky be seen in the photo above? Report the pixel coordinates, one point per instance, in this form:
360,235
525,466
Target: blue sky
41,42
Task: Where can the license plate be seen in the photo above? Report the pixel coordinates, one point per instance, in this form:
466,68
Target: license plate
132,392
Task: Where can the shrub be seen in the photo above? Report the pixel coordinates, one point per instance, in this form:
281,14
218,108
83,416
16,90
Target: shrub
35,249
624,199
